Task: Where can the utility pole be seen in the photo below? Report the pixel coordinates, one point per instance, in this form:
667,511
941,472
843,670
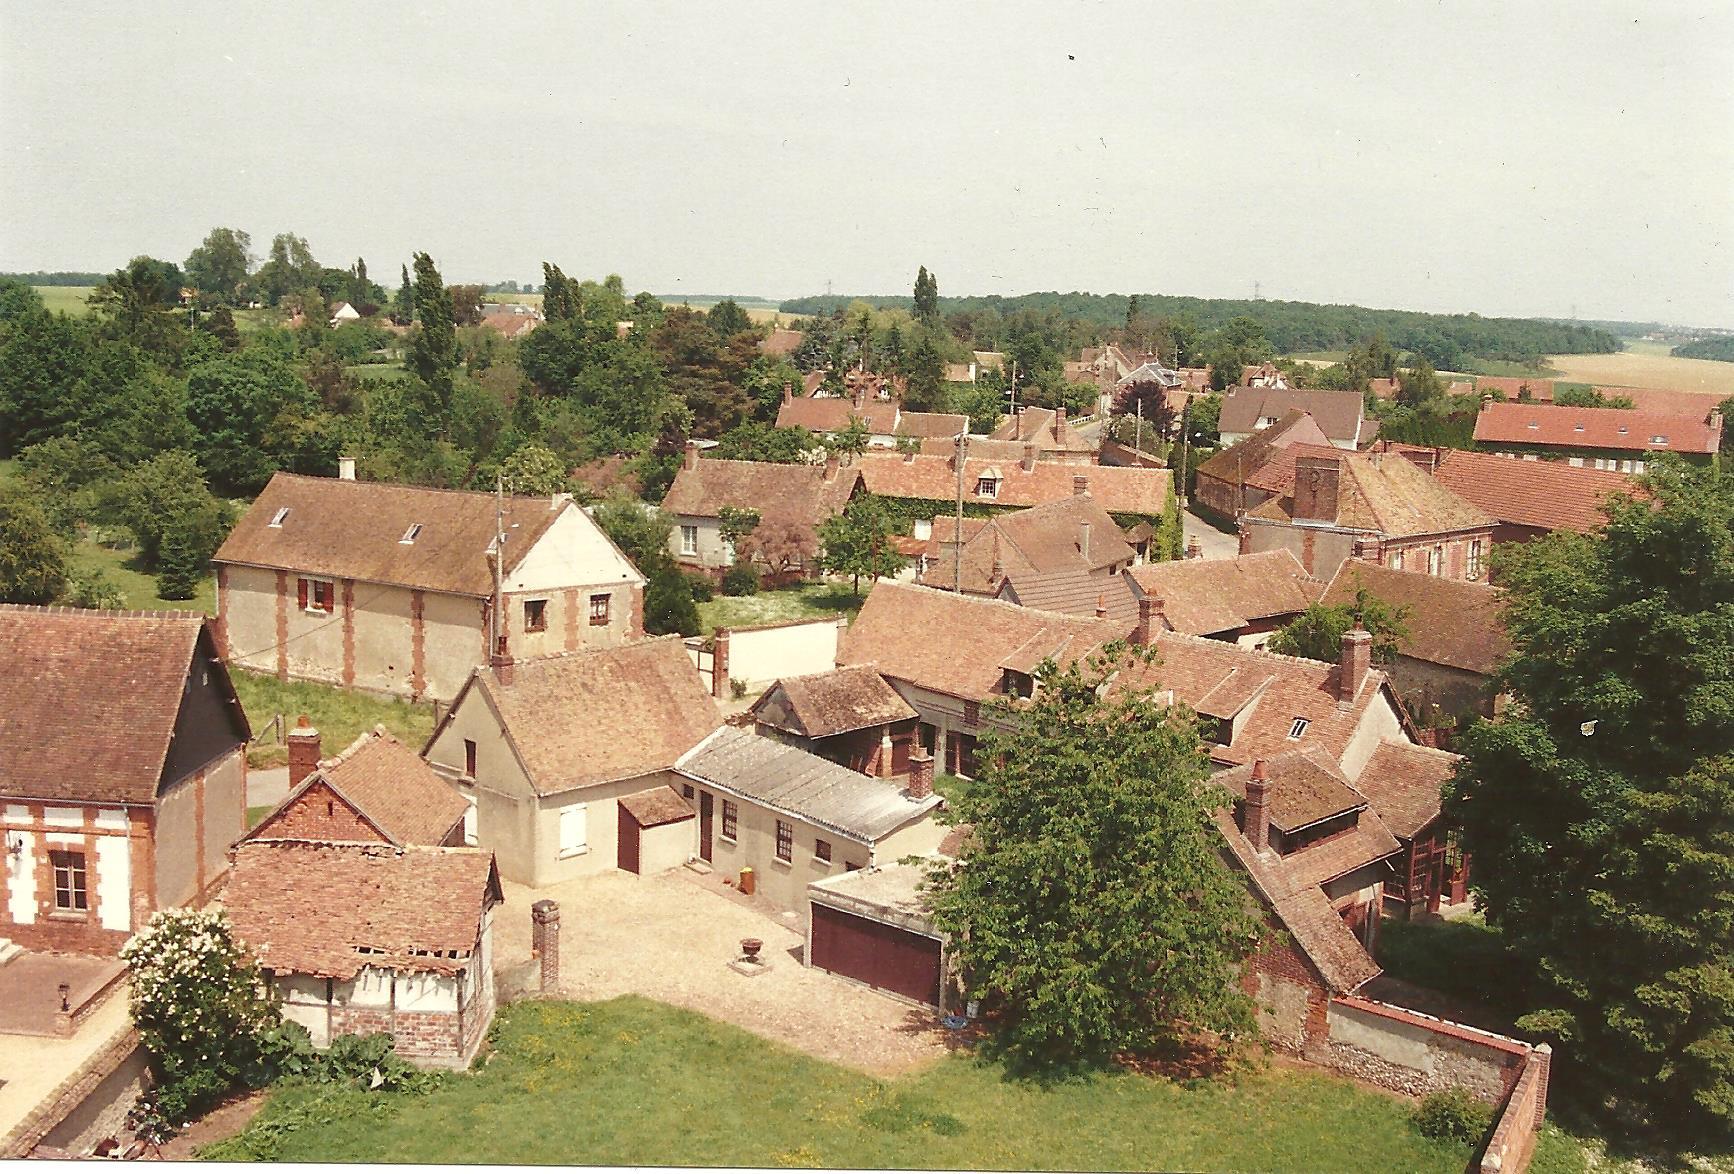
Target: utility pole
957,533
1138,434
1014,388
1185,449
499,563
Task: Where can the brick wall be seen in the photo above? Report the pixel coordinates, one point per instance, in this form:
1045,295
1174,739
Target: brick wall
320,814
1415,1054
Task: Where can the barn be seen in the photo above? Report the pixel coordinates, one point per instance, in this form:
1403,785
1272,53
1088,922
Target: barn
872,926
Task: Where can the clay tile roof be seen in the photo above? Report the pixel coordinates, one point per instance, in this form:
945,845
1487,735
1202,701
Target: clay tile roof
1042,427
1338,413
1042,539
1246,461
1605,428
1551,495
934,478
819,705
1305,787
781,342
600,715
1074,592
833,413
394,787
355,530
1206,596
657,806
800,492
1450,623
1514,386
931,425
1386,494
956,644
327,910
1403,783
788,779
89,700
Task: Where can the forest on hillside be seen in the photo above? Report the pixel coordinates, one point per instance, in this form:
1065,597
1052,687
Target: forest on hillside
1721,347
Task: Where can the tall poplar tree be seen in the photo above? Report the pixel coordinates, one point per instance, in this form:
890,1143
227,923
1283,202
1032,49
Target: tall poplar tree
433,352
926,297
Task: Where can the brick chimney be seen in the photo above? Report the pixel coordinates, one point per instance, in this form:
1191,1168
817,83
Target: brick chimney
788,392
690,460
887,751
1255,815
1368,548
1080,485
1029,459
1357,660
1084,540
831,463
719,664
1149,617
501,662
545,941
1193,550
1316,481
1101,605
1059,423
1018,432
920,774
304,751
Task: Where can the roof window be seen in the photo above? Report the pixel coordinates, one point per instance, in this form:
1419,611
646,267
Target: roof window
277,518
1577,427
1658,440
1533,426
410,535
1299,728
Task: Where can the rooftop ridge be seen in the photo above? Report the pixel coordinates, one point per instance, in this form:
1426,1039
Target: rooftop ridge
986,601
579,653
317,479
61,609
1207,642
1434,751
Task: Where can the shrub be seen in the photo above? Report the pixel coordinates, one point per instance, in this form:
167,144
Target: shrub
1453,1115
703,590
741,579
91,588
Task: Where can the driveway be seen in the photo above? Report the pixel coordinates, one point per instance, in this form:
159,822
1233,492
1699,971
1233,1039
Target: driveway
267,786
671,937
1212,541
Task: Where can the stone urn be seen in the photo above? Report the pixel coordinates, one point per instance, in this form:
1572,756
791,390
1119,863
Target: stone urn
750,948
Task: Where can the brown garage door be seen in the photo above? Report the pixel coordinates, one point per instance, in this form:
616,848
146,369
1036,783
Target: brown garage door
879,955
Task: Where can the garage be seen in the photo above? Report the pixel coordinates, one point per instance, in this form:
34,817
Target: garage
870,926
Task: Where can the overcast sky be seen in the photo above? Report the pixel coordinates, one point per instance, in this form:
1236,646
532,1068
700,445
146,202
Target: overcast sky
1507,158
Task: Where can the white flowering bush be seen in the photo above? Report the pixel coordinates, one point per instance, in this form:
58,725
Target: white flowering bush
201,1010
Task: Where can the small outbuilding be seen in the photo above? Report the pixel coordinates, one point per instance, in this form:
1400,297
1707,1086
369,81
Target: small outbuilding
656,832
873,927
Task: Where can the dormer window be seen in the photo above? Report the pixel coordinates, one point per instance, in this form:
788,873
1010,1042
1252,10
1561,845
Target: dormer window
276,522
1016,684
1577,427
1297,729
410,535
987,486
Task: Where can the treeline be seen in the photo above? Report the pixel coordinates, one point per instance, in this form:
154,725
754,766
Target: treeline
1448,341
1720,348
40,278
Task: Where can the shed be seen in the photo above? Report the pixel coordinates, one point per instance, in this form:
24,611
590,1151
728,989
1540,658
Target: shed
873,927
655,830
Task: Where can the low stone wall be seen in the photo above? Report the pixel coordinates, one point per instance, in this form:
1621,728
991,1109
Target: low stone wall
1415,1054
89,1105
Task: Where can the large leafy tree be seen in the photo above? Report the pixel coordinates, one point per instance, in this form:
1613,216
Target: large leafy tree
926,297
727,319
220,264
857,542
289,268
233,403
1317,633
1599,808
32,556
1094,912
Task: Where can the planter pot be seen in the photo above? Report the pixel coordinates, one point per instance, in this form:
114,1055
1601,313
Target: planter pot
750,948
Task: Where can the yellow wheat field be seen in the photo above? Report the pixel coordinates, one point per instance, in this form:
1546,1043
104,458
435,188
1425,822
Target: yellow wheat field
1630,369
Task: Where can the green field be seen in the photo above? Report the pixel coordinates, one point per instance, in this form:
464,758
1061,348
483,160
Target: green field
340,715
66,298
138,587
809,601
635,1083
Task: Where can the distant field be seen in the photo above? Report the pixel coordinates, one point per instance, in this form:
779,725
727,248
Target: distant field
1637,369
66,298
757,311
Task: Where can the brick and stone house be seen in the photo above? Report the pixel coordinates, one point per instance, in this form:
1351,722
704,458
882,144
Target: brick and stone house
1403,782
123,772
1526,498
1255,469
849,715
1072,535
1620,439
794,497
1374,506
928,483
1245,599
549,752
360,938
793,817
1454,642
394,589
1340,415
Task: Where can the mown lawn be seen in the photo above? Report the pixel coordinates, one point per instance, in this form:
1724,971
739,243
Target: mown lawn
1461,957
139,587
340,715
808,601
635,1083
67,299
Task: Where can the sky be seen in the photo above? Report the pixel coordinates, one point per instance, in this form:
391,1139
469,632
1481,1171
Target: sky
1550,159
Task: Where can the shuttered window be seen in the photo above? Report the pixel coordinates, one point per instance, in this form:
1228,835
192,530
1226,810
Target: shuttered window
317,595
574,830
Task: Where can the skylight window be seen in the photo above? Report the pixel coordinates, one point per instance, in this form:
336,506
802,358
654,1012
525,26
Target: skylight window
410,534
1658,440
1299,728
277,518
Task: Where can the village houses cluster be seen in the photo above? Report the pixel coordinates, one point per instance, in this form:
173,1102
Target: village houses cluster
569,743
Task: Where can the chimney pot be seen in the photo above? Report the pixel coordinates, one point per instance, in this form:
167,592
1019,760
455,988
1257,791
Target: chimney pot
1029,458
920,774
346,468
1356,662
304,751
501,662
1255,817
1080,485
1102,605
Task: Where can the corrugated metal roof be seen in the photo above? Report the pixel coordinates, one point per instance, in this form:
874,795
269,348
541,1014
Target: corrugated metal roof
790,780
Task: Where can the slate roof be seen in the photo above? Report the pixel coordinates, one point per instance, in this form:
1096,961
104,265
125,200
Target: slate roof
1550,495
89,700
788,779
819,705
1042,539
354,530
802,493
957,644
327,910
389,784
1450,622
1404,783
934,478
1340,414
599,715
657,806
1385,494
1604,428
1206,596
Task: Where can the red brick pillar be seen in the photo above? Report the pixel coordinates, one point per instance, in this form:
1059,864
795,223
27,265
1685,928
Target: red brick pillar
1542,1058
719,665
304,752
920,774
545,941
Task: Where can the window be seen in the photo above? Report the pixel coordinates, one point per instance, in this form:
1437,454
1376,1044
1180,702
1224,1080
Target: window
785,841
70,892
731,820
410,535
599,609
1435,560
316,595
469,758
822,851
574,831
987,486
535,615
1475,558
689,540
1298,728
971,713
278,517
1658,440
686,792
470,820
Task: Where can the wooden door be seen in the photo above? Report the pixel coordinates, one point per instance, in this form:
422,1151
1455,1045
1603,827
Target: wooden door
877,954
628,850
704,821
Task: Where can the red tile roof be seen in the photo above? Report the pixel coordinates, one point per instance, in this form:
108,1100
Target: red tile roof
391,786
1513,386
805,494
820,705
1202,597
1042,539
1074,593
657,806
1450,622
1620,429
1549,495
89,700
1043,427
781,342
934,478
1404,782
327,910
1306,786
1338,413
1265,459
1385,494
829,413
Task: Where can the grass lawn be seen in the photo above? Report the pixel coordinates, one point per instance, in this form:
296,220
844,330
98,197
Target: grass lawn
635,1083
255,814
67,299
340,715
1461,957
809,601
139,587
